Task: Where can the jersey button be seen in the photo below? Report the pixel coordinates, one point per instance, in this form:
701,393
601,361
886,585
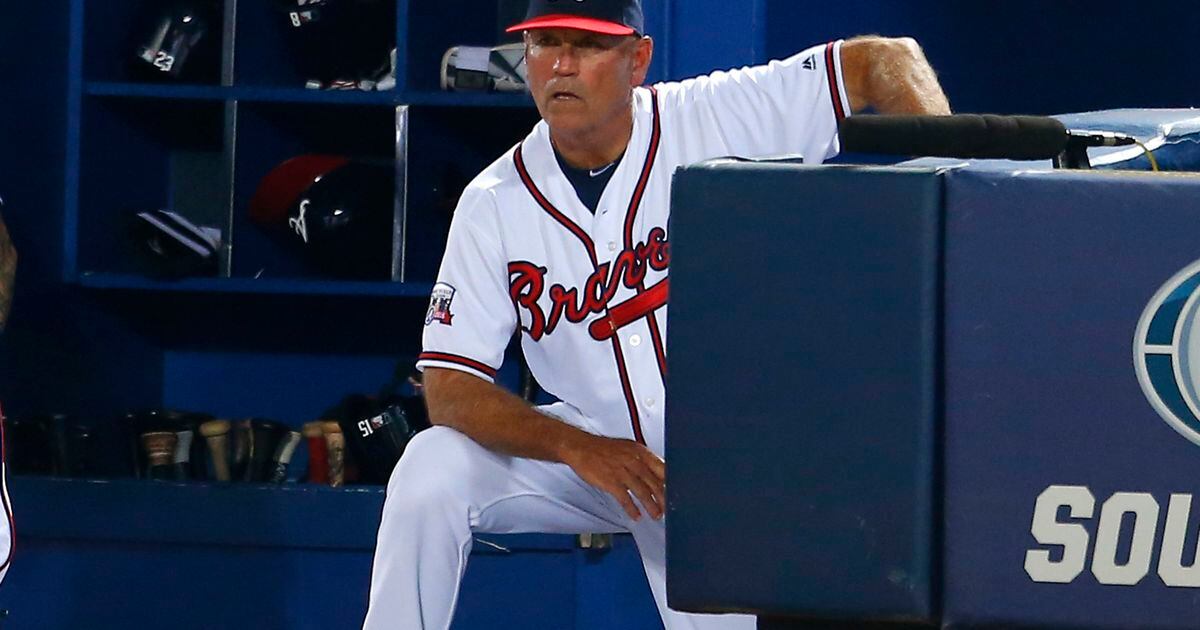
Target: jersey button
649,402
635,340
612,246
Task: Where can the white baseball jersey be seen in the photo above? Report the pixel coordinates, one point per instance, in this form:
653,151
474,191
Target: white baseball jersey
589,291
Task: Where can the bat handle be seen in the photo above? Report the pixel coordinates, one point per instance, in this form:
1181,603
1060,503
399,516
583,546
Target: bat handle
183,453
335,443
318,454
160,451
216,434
283,456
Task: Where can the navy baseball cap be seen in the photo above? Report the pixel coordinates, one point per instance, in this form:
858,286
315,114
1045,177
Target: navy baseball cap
610,17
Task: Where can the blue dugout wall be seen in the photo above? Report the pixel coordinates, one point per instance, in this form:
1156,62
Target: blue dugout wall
63,344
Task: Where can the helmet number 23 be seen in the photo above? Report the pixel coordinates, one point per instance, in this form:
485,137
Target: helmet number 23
163,61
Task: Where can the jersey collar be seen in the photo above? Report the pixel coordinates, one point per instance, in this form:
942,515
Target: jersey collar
538,155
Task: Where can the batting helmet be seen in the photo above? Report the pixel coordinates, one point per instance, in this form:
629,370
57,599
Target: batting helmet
338,212
177,34
339,39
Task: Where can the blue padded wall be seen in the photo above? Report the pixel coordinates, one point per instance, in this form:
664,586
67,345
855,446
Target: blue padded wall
1047,275
799,486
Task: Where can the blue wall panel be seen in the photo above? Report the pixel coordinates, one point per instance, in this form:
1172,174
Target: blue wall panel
293,388
1022,56
1047,275
707,35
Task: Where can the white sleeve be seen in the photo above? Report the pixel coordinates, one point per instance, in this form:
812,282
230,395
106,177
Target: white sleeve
471,317
785,107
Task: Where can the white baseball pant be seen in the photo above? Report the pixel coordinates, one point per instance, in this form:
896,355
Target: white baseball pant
447,487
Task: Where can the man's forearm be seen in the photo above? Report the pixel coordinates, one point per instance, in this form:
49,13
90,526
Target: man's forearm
504,423
891,76
495,418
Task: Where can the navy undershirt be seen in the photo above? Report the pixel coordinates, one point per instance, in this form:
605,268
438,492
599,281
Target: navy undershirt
588,183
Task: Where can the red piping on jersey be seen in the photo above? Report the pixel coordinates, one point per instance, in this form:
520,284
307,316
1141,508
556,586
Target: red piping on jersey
562,219
630,215
839,109
12,527
550,209
454,358
628,391
636,201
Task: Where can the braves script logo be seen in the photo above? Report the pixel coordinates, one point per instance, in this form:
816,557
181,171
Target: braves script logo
300,224
527,282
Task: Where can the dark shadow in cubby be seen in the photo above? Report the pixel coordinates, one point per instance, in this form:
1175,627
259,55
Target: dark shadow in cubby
141,155
447,148
475,23
269,134
350,39
115,33
257,324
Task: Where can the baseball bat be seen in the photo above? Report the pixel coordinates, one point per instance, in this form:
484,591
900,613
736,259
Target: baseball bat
264,438
242,438
283,456
133,432
181,461
216,434
335,442
318,454
160,451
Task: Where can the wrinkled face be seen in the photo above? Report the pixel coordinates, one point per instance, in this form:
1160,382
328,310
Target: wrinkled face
582,80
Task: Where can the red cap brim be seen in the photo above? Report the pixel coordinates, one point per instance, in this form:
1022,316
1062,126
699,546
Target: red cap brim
572,21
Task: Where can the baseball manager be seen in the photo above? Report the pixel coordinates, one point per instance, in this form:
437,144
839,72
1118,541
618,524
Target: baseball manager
565,237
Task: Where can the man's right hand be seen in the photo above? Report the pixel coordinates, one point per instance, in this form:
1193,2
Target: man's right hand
620,468
504,423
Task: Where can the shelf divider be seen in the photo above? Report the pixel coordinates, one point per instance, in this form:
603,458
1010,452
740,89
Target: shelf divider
276,286
269,94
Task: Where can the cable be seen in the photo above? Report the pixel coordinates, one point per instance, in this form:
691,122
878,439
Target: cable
1149,155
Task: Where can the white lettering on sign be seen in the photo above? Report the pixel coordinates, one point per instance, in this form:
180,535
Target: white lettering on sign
1074,538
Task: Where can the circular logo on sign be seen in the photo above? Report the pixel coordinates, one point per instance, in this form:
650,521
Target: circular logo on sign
1166,352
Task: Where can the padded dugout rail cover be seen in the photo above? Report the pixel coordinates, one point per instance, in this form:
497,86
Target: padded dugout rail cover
801,407
1068,493
995,426
1172,135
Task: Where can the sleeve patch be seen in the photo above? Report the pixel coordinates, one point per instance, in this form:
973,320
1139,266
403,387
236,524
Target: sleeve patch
439,304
